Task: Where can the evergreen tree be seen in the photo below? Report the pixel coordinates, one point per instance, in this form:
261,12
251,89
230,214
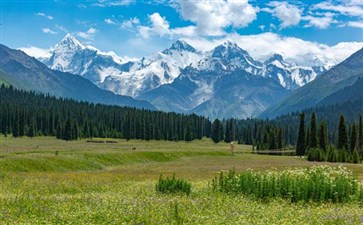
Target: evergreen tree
360,136
323,137
228,133
68,130
313,140
31,129
353,137
300,146
280,139
16,124
216,136
273,142
342,134
188,133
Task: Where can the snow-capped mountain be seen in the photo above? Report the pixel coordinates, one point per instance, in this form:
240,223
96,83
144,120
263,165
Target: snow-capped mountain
290,76
71,56
153,71
184,79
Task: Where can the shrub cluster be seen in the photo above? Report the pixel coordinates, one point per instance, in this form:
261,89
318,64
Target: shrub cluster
317,184
333,155
173,185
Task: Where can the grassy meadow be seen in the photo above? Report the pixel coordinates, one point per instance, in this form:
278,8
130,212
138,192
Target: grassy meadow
48,181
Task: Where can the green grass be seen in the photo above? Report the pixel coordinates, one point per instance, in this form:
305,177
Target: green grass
317,184
109,183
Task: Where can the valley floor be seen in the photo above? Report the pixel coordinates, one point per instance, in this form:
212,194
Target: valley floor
49,181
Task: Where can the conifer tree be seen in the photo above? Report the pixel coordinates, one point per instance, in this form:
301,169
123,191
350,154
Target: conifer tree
31,129
313,141
342,134
273,142
323,136
360,136
280,139
68,130
216,136
301,144
353,137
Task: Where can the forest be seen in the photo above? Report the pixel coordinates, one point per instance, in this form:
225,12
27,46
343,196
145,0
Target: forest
33,114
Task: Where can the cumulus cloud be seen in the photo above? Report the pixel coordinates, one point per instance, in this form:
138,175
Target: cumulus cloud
321,22
108,3
212,17
350,8
261,46
37,52
130,24
48,31
159,26
357,24
44,15
289,15
110,21
89,34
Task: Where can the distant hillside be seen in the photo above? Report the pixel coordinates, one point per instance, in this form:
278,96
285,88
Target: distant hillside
25,72
341,76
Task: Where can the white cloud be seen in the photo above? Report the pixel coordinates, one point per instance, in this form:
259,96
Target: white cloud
37,52
211,17
89,34
44,15
159,26
350,8
289,15
357,24
110,21
108,3
130,24
48,31
321,22
293,49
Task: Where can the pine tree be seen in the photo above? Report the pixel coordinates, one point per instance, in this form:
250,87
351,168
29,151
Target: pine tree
323,138
342,134
273,142
31,129
216,136
16,125
68,130
360,136
300,146
188,133
313,141
228,133
353,137
280,139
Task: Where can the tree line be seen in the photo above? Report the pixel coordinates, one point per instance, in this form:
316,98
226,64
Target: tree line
313,141
32,114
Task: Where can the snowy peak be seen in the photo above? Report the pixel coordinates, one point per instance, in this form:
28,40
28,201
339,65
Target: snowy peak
69,42
180,46
275,57
228,50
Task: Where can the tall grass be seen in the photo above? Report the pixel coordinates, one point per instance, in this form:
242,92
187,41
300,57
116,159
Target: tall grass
317,184
173,185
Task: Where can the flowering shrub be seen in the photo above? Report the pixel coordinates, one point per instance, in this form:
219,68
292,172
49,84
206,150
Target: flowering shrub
317,184
173,185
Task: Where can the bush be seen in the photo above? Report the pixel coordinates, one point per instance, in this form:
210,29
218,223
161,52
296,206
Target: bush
318,184
355,157
173,185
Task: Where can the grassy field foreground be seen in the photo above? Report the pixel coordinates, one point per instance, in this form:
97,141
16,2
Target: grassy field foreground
45,181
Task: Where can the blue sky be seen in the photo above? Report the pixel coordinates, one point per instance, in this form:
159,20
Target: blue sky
138,28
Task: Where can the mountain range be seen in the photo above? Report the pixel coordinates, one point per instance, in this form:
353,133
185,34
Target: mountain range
186,80
340,84
221,83
25,72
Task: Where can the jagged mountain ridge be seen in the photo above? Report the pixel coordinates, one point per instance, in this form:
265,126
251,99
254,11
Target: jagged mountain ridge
25,72
186,80
134,78
339,78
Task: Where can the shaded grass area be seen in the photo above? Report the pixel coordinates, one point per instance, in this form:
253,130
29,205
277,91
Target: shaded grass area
110,183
